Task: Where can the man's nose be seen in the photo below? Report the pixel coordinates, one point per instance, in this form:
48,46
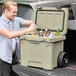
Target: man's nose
15,14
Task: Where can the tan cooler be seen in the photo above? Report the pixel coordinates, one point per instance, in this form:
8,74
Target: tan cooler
46,52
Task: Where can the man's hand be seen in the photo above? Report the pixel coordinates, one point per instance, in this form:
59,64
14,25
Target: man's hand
32,27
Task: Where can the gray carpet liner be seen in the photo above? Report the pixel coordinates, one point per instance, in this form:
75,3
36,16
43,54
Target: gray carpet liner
70,70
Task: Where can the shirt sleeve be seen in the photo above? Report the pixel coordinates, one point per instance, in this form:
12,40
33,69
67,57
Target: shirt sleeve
1,25
21,21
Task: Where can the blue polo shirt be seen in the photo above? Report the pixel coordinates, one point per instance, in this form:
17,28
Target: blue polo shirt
5,43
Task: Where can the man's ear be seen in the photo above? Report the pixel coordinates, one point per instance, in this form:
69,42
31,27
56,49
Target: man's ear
6,10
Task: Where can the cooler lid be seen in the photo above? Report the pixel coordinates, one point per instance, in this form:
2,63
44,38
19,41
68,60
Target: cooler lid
51,18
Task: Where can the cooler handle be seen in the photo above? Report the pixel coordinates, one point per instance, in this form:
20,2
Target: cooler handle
34,42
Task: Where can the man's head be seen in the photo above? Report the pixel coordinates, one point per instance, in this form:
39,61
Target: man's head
10,9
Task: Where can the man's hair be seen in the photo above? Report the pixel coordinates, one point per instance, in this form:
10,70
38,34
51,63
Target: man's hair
7,4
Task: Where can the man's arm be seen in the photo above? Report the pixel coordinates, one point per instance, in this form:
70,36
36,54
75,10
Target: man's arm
12,34
28,22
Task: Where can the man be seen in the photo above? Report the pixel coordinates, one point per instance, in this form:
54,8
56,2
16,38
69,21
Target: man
9,32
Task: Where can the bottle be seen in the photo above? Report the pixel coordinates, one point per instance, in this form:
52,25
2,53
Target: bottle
57,33
41,32
47,32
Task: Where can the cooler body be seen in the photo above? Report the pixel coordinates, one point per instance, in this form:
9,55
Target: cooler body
41,51
42,54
